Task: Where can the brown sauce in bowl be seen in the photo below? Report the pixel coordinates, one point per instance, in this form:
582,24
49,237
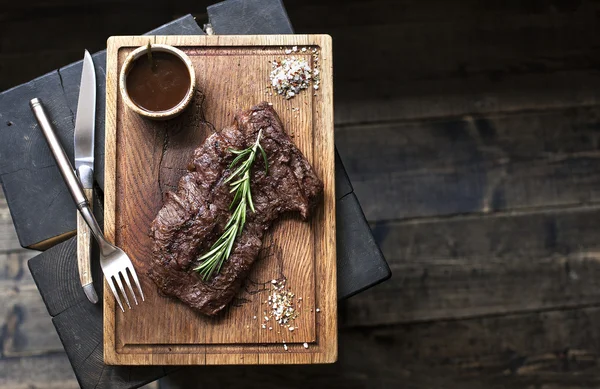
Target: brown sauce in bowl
161,86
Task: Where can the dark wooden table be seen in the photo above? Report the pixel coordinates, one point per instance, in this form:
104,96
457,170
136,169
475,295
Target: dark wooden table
470,136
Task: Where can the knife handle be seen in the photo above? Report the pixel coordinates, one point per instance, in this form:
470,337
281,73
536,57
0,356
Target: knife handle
84,252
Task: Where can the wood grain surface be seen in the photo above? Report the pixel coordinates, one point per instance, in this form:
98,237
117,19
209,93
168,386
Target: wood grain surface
145,159
447,332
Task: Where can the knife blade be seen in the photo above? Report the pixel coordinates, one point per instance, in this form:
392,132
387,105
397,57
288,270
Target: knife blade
84,166
85,123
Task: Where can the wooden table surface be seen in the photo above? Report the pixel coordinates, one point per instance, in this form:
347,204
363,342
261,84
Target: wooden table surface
471,140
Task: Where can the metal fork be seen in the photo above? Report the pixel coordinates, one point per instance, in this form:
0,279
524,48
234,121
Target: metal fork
114,262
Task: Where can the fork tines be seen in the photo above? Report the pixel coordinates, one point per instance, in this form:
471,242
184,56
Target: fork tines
124,275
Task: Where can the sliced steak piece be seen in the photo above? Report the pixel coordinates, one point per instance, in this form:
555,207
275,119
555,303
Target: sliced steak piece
193,218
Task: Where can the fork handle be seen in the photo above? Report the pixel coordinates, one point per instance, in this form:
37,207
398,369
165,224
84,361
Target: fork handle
64,165
68,174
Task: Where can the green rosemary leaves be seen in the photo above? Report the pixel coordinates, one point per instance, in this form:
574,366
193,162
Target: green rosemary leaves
239,181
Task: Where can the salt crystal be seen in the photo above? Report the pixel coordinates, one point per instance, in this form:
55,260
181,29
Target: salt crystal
290,76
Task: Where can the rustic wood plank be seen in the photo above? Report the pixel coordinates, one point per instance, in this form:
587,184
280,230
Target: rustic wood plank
313,128
417,378
470,59
13,264
27,339
314,14
8,236
554,348
483,70
520,344
23,316
27,329
471,266
49,372
361,101
473,164
492,40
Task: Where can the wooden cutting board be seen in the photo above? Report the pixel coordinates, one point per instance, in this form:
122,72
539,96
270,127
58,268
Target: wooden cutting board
145,159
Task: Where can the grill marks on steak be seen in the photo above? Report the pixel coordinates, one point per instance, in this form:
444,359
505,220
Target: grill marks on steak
193,218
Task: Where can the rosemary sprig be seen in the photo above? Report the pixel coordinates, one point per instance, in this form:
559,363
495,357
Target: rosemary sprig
239,181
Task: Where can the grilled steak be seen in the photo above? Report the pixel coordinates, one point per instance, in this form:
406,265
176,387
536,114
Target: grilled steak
194,217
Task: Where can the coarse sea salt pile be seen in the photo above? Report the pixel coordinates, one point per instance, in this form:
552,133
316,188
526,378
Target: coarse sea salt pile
290,75
281,307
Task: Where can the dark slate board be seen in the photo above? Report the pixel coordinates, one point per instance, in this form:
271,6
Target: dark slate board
342,182
248,17
38,199
360,262
355,240
31,181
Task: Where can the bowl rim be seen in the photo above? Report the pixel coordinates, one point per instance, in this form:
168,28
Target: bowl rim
125,68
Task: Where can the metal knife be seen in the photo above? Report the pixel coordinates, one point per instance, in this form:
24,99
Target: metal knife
84,166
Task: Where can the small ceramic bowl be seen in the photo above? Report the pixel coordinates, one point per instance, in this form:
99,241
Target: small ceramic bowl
156,115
